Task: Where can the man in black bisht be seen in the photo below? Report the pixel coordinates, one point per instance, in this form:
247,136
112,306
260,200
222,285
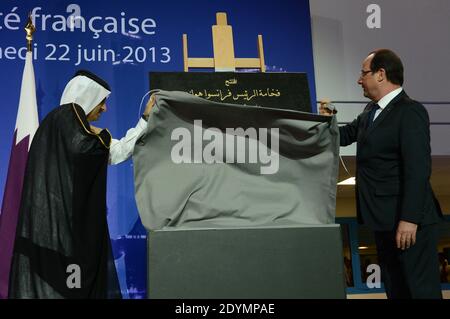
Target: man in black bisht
62,247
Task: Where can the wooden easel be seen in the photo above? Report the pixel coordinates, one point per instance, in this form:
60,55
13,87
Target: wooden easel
224,59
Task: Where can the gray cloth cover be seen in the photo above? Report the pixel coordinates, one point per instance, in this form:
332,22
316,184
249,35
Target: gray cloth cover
219,195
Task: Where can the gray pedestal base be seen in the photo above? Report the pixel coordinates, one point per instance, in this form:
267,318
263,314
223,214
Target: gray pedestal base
279,262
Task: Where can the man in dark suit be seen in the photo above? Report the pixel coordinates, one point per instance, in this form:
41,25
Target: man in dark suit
393,191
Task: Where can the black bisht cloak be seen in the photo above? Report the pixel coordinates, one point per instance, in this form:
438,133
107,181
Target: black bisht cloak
62,231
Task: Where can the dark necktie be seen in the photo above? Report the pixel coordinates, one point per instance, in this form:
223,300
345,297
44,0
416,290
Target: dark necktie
372,112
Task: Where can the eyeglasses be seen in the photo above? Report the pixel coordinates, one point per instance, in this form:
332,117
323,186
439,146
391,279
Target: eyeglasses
363,73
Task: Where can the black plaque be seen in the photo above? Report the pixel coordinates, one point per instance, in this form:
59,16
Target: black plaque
276,90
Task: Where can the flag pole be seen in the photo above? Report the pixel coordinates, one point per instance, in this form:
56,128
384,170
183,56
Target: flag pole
27,123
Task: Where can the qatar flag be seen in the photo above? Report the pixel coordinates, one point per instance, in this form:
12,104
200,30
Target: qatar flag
26,125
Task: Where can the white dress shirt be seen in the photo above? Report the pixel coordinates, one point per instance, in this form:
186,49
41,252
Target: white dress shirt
121,150
385,100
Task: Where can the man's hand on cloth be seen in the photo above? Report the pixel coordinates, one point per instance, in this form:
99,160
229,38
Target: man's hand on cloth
326,107
149,106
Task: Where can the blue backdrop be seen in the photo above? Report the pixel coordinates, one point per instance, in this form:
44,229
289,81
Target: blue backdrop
122,41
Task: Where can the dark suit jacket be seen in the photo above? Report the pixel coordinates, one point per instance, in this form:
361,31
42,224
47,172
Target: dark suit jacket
393,165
